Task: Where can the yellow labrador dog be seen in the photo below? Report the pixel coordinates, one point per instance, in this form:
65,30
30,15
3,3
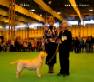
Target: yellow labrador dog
34,64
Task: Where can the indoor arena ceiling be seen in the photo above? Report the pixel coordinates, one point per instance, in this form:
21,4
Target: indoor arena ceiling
62,7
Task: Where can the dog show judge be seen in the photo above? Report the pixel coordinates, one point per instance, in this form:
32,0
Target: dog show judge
65,40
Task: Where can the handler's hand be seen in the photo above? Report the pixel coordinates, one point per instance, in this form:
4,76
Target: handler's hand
64,38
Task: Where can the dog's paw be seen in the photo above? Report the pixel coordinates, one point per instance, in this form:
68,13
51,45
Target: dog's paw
39,76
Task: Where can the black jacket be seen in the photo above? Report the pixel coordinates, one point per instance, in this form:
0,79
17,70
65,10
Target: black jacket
66,44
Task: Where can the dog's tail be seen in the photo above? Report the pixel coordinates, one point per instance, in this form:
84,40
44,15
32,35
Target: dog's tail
15,62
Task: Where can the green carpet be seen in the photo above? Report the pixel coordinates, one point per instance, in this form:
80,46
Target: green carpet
81,68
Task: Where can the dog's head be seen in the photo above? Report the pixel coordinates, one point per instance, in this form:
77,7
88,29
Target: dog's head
42,54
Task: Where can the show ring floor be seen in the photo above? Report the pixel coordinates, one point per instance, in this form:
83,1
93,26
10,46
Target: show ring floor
81,68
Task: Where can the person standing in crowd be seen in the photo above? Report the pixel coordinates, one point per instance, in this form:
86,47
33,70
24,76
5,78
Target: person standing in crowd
65,40
18,44
50,36
29,46
89,44
76,45
12,47
82,44
0,44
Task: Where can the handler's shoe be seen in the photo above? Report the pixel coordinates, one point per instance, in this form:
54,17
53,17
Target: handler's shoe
64,75
59,74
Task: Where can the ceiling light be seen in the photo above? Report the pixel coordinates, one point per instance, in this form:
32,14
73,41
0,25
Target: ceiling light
40,14
1,27
91,10
32,10
65,5
83,5
59,13
49,2
24,4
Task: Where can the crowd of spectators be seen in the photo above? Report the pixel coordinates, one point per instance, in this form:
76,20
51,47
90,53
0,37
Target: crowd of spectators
83,45
18,45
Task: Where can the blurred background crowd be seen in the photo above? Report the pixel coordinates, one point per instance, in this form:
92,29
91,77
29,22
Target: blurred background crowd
18,45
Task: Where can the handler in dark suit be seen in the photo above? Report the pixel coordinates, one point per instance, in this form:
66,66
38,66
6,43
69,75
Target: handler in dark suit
65,39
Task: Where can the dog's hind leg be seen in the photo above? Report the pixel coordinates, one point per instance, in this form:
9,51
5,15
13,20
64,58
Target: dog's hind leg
38,72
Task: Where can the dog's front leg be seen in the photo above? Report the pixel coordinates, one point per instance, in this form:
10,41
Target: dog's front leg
18,74
19,70
38,72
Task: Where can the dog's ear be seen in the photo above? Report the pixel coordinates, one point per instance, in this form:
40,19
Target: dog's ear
44,54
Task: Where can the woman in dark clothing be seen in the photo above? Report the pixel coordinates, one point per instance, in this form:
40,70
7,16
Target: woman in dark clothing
50,47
